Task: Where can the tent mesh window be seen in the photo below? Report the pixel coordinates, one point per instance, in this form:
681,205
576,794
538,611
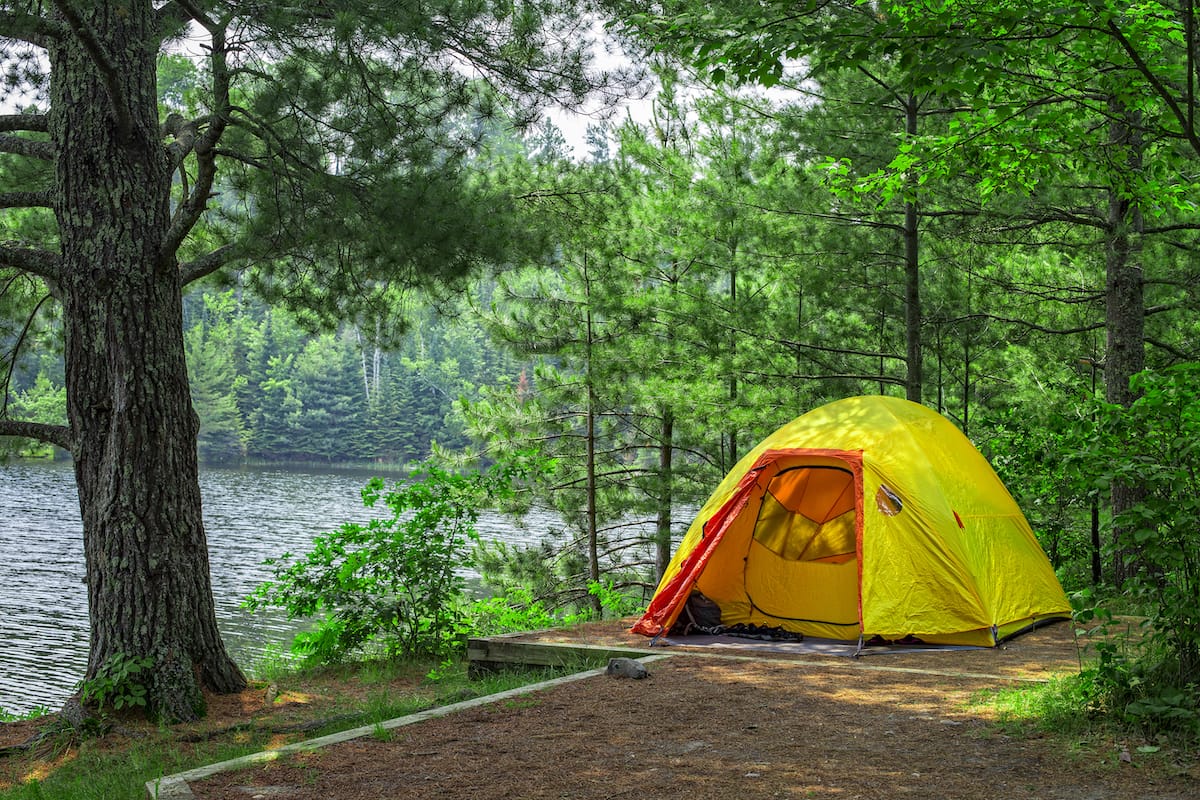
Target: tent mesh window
807,514
801,564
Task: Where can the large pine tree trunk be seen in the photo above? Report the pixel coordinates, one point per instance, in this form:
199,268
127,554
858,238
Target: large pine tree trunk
129,408
1125,307
666,494
593,533
913,383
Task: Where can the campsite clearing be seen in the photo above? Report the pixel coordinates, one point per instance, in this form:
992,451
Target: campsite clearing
904,725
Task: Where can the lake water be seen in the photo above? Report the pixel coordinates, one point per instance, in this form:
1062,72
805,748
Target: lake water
250,514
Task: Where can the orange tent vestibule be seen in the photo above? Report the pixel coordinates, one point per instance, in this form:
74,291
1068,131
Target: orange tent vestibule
867,516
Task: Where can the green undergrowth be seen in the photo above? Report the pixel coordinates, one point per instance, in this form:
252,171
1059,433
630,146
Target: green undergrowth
118,764
1056,707
10,716
1065,711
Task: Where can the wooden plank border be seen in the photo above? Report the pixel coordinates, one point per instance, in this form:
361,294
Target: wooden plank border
491,653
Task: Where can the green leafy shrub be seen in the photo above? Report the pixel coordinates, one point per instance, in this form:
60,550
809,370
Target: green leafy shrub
1137,686
118,683
614,603
393,586
1153,679
515,610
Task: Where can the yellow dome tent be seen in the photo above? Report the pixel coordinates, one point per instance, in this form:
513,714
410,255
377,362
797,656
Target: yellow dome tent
869,516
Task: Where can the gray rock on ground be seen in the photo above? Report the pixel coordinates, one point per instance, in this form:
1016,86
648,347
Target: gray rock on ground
626,668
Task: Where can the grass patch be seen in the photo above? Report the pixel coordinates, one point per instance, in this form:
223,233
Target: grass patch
34,713
1064,711
293,705
1059,706
93,769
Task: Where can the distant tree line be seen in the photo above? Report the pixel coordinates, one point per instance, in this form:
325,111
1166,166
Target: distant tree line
267,389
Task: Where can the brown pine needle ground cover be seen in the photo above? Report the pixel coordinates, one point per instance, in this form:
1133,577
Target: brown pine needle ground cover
719,728
887,726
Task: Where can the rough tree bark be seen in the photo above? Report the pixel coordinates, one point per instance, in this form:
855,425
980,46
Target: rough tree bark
593,534
666,494
913,384
133,429
1125,307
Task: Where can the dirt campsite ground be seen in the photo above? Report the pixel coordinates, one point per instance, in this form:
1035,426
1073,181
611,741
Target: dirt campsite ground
720,728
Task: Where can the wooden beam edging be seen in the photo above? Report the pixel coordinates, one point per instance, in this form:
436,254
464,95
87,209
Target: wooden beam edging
508,649
175,787
840,662
497,651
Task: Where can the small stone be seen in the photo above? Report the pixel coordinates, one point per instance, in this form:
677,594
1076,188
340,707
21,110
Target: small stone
626,668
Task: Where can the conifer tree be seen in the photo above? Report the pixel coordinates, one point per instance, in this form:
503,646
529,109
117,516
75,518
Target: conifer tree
329,149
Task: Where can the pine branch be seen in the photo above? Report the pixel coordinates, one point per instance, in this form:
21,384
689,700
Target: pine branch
204,145
846,351
184,131
847,376
59,435
1024,323
1174,351
1160,229
206,264
14,351
25,200
173,15
31,148
42,263
38,123
196,13
30,28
